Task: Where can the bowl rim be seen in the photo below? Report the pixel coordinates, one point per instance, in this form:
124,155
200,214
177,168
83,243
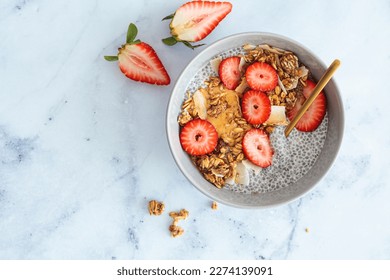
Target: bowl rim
213,197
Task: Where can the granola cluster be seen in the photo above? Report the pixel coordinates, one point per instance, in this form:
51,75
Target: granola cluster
156,208
220,164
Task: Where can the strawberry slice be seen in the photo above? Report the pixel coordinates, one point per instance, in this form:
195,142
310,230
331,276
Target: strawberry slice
139,62
308,89
261,76
256,107
313,117
195,20
229,72
198,137
257,147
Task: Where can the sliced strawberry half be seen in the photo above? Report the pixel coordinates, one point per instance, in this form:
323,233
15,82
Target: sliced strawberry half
256,107
229,72
313,117
198,137
195,20
140,62
257,147
261,76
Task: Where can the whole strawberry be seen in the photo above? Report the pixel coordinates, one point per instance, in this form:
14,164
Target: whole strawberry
194,20
139,62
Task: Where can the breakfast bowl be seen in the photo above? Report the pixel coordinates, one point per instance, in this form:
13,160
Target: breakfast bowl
299,161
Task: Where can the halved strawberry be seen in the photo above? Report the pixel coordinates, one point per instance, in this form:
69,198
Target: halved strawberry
229,72
313,117
308,89
139,62
195,20
257,147
198,137
261,76
256,107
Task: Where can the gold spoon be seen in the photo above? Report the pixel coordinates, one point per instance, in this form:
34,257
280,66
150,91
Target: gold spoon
320,86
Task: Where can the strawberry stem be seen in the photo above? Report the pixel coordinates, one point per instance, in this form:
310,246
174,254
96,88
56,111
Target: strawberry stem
111,57
191,46
168,17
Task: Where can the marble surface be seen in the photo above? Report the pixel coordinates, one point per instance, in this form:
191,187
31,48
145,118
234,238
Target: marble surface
83,149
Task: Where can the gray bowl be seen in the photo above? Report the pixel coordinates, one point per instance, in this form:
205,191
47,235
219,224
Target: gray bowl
325,158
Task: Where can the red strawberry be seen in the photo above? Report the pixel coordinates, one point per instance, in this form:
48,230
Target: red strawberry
195,20
308,89
256,107
198,137
257,147
313,117
229,72
139,62
261,76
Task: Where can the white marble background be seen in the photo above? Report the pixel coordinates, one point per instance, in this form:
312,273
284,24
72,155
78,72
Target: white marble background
82,148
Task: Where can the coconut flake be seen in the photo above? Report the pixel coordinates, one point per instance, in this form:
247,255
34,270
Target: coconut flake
200,104
248,47
242,176
242,86
215,64
303,71
272,49
242,64
230,181
251,166
281,85
294,84
277,116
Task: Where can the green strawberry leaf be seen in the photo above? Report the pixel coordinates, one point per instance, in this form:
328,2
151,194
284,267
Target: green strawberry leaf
170,41
131,33
135,42
168,17
111,58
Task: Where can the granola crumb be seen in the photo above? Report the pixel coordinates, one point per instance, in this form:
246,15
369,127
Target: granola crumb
156,208
182,215
175,230
214,205
177,216
307,230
